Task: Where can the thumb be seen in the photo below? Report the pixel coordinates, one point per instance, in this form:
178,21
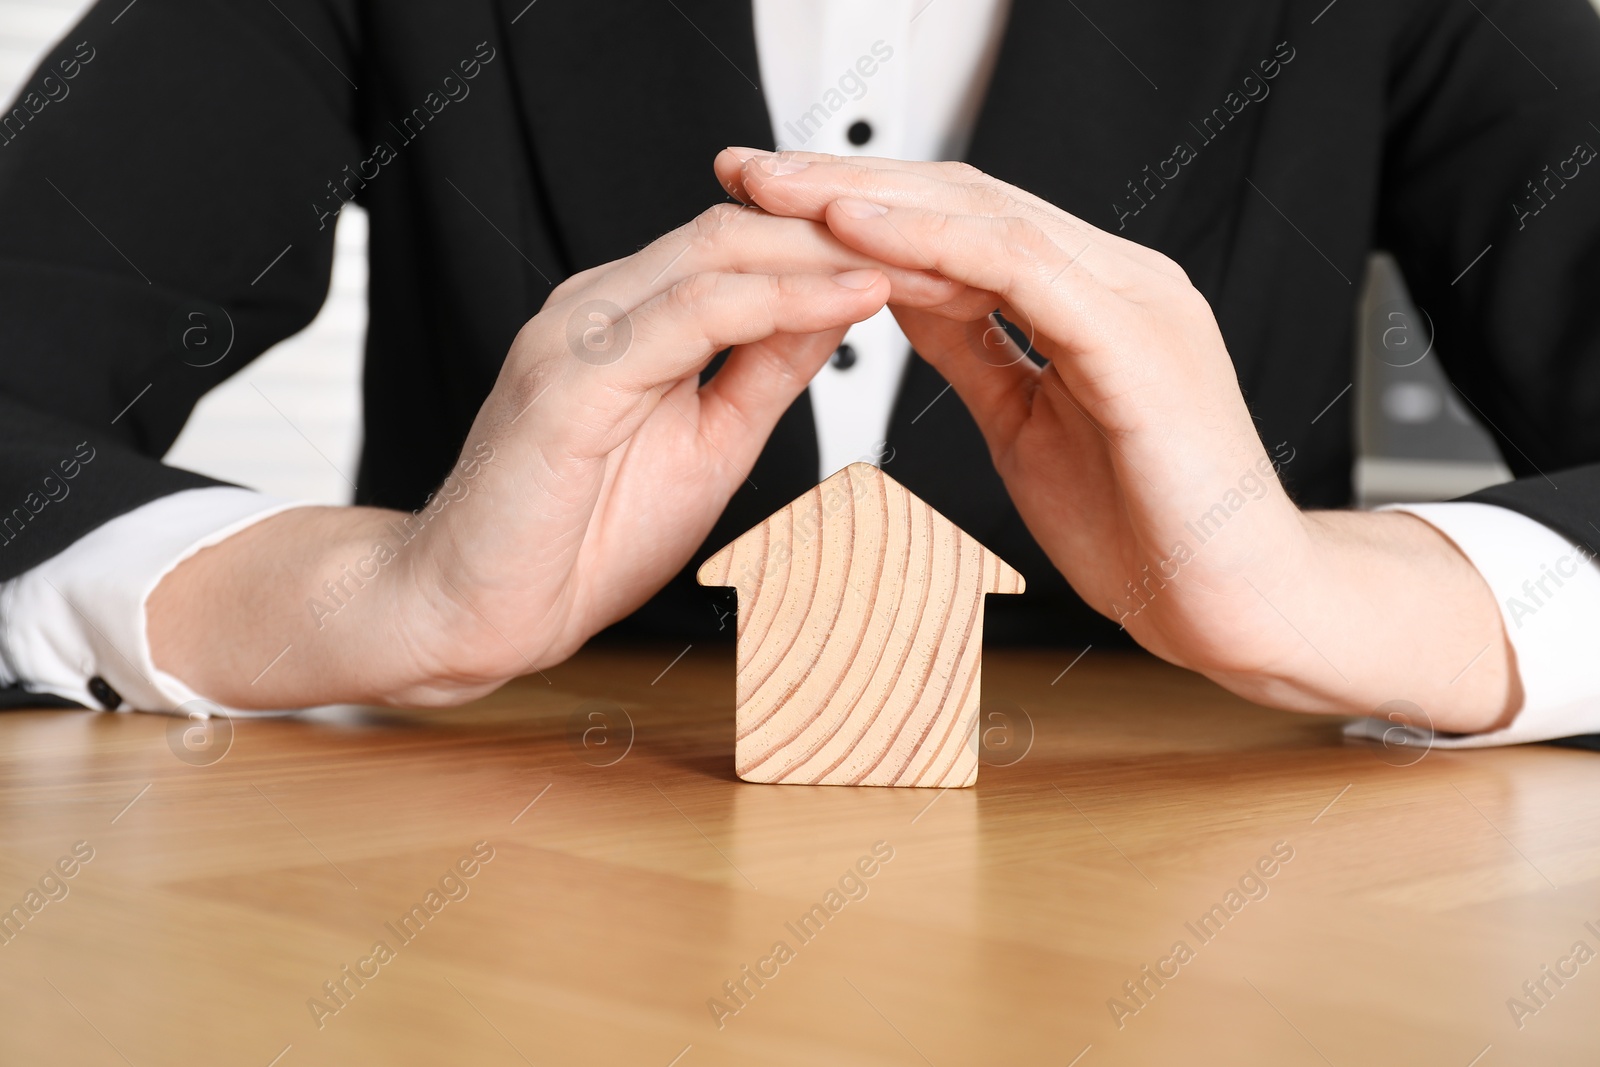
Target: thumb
993,376
743,401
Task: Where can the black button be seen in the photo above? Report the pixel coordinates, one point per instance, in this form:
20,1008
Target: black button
844,357
108,697
860,132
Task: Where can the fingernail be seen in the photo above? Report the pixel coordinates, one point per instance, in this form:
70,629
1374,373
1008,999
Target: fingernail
778,166
861,209
857,279
746,154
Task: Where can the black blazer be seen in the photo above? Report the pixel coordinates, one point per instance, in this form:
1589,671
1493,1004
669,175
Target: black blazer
194,159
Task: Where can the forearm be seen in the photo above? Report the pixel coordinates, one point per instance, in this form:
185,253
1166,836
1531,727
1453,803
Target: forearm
311,606
1389,610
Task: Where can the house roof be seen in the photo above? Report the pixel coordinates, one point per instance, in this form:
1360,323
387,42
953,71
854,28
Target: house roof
851,504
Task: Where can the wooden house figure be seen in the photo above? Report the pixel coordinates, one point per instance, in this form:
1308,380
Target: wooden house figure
860,637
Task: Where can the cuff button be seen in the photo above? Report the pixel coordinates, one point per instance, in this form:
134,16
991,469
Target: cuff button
108,697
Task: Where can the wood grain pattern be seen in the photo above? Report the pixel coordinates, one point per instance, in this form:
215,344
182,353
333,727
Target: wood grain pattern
860,637
1422,894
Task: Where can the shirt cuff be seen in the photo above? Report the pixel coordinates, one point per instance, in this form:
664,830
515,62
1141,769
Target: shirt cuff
75,626
1548,590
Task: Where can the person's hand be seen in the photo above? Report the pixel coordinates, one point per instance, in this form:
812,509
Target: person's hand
1133,458
592,472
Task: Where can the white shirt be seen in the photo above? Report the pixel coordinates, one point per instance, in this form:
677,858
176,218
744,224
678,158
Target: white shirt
915,72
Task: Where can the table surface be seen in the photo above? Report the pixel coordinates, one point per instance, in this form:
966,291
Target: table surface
630,876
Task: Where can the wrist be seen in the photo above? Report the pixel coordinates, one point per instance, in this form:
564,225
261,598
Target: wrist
1238,584
1382,608
310,606
454,651
1286,660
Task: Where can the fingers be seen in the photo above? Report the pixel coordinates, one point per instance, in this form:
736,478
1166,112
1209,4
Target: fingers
803,184
576,283
1098,341
674,335
730,166
729,238
743,401
843,184
1009,256
787,185
993,377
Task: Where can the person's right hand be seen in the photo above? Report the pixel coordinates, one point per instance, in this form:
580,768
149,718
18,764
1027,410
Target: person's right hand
592,472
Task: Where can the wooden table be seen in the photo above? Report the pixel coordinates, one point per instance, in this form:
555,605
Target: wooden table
629,882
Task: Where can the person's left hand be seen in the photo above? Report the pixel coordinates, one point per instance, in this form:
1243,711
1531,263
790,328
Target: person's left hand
1133,458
